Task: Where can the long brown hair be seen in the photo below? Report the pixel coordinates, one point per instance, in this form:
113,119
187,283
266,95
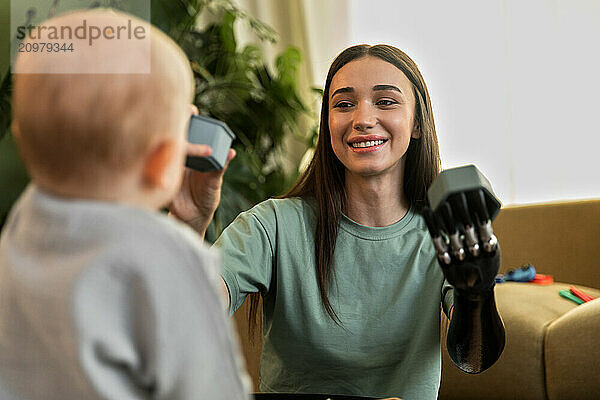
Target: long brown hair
324,178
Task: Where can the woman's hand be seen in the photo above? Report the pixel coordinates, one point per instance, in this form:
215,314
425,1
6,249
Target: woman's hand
200,192
470,258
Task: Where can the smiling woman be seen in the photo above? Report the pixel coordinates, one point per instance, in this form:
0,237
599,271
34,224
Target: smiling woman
341,258
344,263
371,123
372,93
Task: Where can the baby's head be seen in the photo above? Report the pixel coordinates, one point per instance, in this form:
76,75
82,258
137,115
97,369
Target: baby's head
116,137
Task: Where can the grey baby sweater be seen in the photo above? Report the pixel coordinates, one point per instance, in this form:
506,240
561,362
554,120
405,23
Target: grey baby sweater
108,301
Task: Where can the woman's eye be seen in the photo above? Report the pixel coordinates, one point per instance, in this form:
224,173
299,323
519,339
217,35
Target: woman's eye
386,102
343,104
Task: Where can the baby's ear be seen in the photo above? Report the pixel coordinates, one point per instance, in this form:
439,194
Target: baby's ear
157,163
14,128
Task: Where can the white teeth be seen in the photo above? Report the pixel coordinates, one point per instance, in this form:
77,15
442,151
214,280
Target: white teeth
367,144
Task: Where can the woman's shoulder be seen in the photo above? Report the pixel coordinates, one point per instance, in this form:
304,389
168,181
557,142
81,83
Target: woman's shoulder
289,207
418,226
275,215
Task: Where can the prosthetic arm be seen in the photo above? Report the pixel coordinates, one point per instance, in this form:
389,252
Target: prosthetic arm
469,254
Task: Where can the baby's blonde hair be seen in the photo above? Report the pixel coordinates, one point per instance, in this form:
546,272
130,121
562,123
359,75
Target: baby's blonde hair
79,128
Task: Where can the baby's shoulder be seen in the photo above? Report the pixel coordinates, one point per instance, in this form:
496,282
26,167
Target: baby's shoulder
157,254
155,244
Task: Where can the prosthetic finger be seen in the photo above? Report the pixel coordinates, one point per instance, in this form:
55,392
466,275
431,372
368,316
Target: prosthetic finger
438,241
486,234
460,205
456,243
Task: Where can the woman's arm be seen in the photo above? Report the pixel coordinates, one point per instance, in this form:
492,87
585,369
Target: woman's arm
225,294
470,263
200,192
476,336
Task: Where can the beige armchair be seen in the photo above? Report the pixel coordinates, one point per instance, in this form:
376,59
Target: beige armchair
552,345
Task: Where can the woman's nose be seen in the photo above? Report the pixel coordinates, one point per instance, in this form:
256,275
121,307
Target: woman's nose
364,117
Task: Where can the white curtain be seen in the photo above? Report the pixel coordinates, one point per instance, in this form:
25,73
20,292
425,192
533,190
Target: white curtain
515,84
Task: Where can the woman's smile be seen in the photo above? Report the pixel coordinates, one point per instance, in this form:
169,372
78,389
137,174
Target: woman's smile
366,144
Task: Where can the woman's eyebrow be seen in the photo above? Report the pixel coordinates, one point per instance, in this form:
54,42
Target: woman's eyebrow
350,89
347,89
387,87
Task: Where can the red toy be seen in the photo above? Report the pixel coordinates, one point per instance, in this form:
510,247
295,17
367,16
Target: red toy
583,296
541,279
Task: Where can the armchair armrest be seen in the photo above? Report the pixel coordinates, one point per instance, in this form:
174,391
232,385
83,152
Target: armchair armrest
572,353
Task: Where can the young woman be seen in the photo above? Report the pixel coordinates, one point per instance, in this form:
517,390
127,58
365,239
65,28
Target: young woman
345,265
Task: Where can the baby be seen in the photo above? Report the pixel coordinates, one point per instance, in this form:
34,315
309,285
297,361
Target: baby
101,296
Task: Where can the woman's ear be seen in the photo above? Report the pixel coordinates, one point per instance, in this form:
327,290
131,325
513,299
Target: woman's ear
416,130
158,162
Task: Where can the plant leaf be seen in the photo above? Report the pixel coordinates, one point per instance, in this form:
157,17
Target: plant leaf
227,33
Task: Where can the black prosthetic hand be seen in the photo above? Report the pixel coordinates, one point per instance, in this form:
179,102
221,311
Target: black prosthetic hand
469,255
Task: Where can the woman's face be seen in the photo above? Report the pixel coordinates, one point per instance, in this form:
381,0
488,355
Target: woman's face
371,111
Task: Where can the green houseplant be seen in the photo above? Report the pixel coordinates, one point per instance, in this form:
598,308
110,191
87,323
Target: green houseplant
236,86
261,105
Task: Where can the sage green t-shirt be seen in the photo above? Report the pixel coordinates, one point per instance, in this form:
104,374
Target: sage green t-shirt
387,293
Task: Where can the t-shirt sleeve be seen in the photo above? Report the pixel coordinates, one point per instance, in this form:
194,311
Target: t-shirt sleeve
447,298
247,254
